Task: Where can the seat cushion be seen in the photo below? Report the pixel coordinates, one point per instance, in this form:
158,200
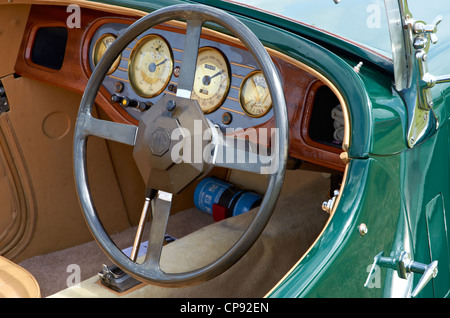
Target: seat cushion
16,282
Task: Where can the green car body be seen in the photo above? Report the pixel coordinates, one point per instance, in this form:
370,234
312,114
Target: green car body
400,193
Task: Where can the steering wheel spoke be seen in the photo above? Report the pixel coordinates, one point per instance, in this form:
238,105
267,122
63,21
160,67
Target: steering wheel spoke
244,155
122,133
161,205
189,59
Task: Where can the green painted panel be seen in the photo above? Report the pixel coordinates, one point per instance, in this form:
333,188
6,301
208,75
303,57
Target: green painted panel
339,263
438,241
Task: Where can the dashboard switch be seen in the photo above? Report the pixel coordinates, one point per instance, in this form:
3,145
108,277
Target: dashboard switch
126,102
116,99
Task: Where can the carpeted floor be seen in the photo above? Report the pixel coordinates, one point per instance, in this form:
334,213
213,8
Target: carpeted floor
303,194
56,271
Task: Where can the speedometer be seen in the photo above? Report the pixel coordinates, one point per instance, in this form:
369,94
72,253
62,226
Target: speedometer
150,66
212,79
254,95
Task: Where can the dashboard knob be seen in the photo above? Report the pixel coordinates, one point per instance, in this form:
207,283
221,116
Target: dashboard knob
116,99
127,102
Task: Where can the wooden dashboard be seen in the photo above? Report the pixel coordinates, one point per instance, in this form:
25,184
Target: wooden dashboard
309,100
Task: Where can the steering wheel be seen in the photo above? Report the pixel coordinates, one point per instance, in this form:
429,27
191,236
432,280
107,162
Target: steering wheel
152,146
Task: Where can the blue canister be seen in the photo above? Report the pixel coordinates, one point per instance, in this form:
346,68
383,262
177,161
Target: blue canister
222,199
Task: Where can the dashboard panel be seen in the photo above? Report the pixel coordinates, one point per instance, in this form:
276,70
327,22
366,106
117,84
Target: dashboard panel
220,100
309,100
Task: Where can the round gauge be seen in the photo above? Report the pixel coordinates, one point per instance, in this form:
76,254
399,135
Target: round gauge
212,79
150,66
254,95
102,44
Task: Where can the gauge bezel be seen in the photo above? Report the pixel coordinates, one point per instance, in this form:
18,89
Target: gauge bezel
138,46
116,63
228,69
244,81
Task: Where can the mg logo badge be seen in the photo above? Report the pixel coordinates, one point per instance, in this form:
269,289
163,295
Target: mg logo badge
160,142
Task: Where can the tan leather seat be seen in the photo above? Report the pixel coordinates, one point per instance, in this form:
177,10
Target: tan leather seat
16,282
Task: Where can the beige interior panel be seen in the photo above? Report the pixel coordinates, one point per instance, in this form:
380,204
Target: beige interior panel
43,119
17,208
13,19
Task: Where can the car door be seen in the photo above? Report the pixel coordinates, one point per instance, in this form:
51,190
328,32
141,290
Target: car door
420,36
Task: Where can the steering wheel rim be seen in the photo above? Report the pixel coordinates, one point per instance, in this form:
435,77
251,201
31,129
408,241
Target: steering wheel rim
86,125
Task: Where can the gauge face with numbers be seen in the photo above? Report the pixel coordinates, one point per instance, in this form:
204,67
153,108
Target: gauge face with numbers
150,66
254,95
102,44
212,79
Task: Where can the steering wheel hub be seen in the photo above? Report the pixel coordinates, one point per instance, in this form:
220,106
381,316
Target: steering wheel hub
164,144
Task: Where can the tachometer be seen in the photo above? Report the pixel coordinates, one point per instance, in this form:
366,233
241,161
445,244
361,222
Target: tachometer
100,47
254,95
212,79
150,66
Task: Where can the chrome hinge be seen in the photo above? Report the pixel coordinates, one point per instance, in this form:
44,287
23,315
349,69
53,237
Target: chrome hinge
403,264
418,37
423,36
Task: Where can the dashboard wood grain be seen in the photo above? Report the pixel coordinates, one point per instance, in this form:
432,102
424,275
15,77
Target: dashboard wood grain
300,86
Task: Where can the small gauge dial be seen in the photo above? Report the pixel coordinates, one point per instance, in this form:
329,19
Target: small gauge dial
150,66
102,44
212,79
254,95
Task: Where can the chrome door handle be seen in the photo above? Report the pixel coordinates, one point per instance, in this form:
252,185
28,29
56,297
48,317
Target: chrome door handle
404,265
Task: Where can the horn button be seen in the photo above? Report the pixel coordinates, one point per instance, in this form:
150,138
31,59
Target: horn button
171,122
160,141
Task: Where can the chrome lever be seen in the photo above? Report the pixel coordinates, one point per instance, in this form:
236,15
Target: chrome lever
429,271
404,266
429,29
